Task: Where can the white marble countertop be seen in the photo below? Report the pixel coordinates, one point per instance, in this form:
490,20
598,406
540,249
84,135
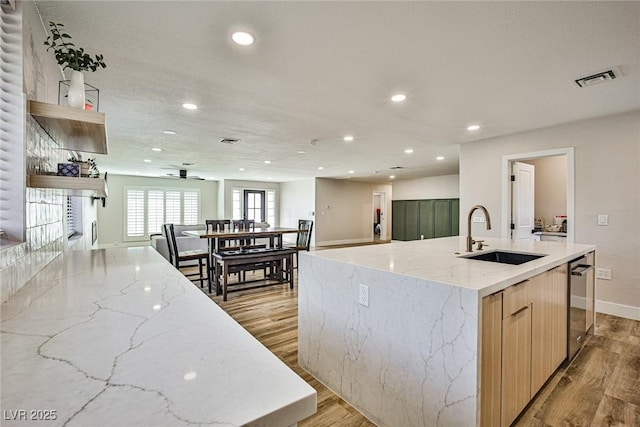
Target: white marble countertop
439,260
118,337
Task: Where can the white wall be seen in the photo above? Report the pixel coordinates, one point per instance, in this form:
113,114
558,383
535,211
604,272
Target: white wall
550,187
297,201
434,187
607,181
111,219
344,210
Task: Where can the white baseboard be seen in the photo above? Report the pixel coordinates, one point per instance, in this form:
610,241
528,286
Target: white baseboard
343,242
620,310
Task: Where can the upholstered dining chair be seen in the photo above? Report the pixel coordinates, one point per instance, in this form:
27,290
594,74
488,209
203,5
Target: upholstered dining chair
303,240
185,259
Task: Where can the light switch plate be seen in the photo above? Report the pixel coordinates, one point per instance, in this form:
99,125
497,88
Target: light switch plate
603,273
603,219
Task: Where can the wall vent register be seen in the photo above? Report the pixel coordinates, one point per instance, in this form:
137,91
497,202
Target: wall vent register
598,78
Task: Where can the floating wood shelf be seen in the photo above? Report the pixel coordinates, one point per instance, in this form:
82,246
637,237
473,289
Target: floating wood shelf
72,128
73,186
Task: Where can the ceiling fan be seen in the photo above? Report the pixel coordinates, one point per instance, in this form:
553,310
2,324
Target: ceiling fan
183,175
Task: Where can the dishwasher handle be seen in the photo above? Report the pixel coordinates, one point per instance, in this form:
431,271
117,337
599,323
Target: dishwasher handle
581,269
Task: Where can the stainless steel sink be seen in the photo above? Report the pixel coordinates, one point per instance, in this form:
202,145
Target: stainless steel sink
504,257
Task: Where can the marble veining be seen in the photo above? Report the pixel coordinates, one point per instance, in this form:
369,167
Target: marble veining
410,358
119,337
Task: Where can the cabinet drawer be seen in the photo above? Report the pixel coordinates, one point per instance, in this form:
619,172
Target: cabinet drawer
515,297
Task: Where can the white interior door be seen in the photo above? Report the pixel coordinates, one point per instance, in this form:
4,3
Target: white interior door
523,200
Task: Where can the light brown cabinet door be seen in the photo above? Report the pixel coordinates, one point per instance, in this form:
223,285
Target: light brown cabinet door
516,364
491,360
548,324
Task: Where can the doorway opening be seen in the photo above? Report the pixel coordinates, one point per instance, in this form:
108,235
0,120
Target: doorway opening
552,205
379,222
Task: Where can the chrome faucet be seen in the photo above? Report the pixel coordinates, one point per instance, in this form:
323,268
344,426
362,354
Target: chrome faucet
470,240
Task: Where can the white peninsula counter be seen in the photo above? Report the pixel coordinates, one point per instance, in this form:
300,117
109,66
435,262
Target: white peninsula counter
119,337
411,357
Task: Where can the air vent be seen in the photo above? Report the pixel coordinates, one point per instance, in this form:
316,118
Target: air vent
230,141
396,167
598,78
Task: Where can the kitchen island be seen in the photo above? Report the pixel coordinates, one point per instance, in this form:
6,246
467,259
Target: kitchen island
119,337
395,329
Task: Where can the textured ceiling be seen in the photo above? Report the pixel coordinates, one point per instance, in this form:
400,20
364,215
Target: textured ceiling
322,70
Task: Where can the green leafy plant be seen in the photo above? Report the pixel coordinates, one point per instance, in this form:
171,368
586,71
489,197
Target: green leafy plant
66,53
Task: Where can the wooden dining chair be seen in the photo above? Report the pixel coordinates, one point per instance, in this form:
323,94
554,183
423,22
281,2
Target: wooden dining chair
303,240
217,224
185,259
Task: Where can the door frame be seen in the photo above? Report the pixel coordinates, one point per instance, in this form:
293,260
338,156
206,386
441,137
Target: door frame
383,219
506,187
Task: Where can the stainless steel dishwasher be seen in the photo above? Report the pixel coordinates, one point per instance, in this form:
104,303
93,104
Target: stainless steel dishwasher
581,300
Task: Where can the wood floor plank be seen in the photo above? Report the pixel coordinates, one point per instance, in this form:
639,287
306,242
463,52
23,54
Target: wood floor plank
616,412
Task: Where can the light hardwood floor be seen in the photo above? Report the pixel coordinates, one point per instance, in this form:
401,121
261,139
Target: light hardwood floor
601,387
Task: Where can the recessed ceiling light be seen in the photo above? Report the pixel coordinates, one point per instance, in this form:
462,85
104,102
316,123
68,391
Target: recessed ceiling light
398,97
408,151
268,177
190,376
351,171
169,132
320,167
190,106
157,307
242,38
440,158
147,161
302,152
348,138
392,176
267,162
473,127
156,149
241,169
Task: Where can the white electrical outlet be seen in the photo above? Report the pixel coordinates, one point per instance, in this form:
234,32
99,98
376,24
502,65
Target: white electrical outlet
603,273
603,219
363,295
478,218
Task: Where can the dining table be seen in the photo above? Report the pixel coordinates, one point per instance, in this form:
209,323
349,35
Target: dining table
217,240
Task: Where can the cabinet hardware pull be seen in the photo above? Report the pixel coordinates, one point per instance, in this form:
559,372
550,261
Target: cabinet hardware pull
522,309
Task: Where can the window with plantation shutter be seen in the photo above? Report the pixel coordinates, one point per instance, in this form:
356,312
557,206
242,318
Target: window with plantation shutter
271,207
235,198
135,213
190,210
155,211
148,208
70,228
173,211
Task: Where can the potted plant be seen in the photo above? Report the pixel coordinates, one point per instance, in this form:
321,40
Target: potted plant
68,56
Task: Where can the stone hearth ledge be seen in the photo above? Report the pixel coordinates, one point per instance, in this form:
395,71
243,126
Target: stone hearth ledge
118,337
411,357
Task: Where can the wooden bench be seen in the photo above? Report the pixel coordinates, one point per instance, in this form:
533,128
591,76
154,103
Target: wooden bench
279,262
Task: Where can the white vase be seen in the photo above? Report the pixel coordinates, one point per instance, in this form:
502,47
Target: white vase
75,96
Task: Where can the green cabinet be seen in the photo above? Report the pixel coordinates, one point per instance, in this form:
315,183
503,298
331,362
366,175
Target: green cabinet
430,218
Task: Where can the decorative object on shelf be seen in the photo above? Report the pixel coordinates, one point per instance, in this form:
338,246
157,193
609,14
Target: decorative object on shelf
68,169
93,168
76,59
88,168
91,93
